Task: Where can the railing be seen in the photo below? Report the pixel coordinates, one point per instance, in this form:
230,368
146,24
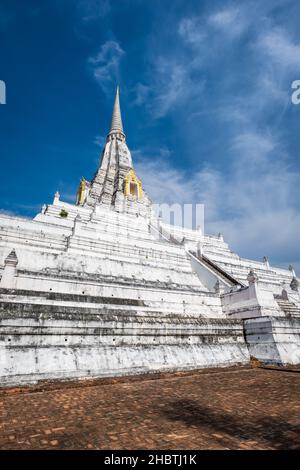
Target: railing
169,239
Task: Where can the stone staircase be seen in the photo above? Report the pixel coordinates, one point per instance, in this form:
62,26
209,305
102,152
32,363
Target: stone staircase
221,272
220,254
289,308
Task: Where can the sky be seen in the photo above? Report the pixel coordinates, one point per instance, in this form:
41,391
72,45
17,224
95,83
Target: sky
206,106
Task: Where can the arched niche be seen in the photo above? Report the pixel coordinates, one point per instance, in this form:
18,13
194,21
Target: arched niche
132,185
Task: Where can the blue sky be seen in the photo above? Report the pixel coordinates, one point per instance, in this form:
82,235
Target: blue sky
206,103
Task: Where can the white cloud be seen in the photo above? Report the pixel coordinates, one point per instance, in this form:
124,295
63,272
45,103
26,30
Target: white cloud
173,86
100,141
252,204
142,93
252,148
176,80
253,199
231,22
191,30
278,46
221,25
164,183
269,86
225,18
105,64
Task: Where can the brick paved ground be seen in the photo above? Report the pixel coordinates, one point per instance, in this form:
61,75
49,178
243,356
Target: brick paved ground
233,409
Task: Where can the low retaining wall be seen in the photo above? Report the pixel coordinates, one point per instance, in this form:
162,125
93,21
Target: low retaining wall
56,346
274,340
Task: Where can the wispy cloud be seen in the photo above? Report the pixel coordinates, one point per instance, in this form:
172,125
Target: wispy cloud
233,67
100,141
278,46
252,205
231,21
191,30
105,64
202,44
173,87
142,93
164,183
176,78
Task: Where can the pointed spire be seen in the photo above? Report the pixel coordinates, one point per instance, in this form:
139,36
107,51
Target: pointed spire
116,120
11,259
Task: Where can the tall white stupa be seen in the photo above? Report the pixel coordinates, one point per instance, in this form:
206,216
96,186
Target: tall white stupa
103,287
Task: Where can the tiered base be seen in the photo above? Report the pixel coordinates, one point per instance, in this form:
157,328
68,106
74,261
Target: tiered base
61,342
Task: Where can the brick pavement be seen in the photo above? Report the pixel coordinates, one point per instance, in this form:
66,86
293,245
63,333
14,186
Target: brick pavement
223,409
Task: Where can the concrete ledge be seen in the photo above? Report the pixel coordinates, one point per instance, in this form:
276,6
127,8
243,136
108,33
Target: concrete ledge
51,348
57,384
274,340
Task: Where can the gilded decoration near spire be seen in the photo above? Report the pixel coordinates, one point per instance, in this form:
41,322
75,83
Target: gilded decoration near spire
115,183
81,193
132,185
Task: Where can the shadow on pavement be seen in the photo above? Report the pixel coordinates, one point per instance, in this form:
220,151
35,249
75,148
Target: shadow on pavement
278,369
267,431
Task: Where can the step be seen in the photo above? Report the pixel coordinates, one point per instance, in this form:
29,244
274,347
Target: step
289,308
41,312
72,297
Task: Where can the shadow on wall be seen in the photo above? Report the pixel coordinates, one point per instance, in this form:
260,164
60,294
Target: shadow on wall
267,431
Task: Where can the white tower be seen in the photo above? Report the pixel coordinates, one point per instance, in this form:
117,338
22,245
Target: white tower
115,183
